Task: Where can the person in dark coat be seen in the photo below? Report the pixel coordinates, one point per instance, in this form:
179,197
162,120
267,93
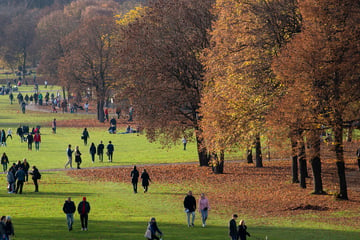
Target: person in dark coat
20,176
35,177
190,207
30,140
233,233
69,209
100,151
83,210
77,157
26,167
134,178
110,151
145,180
4,161
92,152
9,228
85,136
358,157
242,230
152,226
20,132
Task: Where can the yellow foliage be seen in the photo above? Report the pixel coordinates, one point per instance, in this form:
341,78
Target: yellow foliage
130,16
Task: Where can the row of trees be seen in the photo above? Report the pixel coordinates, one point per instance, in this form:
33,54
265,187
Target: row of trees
232,71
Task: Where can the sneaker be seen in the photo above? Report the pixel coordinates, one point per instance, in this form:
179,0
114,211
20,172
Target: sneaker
192,225
85,229
82,229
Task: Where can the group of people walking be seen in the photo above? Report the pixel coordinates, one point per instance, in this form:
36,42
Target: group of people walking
93,150
144,177
237,232
83,210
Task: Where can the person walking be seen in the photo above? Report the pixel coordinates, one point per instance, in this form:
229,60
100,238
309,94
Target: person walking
152,229
184,141
84,210
106,113
9,134
30,140
20,132
92,151
26,167
145,180
9,228
77,157
110,151
53,126
134,178
69,209
37,140
85,136
86,106
190,207
100,151
20,176
4,161
233,233
35,177
204,208
69,153
242,230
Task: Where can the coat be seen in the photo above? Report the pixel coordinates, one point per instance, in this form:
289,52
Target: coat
80,207
145,179
69,207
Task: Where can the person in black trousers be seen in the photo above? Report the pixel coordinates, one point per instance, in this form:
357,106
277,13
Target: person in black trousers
83,210
145,180
35,177
134,178
100,151
110,151
233,233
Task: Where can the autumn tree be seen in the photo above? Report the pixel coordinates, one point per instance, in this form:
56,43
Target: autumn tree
18,38
160,60
240,83
89,53
322,61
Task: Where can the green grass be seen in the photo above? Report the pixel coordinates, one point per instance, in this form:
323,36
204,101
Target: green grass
116,212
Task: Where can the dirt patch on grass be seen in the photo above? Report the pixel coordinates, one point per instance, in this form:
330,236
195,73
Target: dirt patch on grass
245,189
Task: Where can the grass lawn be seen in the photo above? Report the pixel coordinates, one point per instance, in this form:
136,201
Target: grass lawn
116,212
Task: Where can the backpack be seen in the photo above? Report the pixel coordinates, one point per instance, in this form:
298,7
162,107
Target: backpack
39,176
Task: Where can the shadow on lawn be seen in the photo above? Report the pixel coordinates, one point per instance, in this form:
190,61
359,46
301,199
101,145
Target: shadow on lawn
55,228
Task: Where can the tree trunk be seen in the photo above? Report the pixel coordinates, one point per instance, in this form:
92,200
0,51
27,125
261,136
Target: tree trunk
258,151
294,158
339,151
349,135
249,155
202,151
218,164
100,111
302,160
314,142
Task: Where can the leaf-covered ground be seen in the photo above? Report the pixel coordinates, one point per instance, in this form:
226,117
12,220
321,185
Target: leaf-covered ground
262,192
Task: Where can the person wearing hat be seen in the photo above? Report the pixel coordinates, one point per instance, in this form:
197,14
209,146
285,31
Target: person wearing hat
153,228
83,210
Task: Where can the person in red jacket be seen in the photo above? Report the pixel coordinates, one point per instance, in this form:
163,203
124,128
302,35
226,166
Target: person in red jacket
37,140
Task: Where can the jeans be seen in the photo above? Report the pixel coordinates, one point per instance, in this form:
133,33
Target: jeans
110,156
69,162
70,219
188,218
4,167
204,215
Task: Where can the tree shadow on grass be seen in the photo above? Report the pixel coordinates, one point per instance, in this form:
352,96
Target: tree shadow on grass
55,228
